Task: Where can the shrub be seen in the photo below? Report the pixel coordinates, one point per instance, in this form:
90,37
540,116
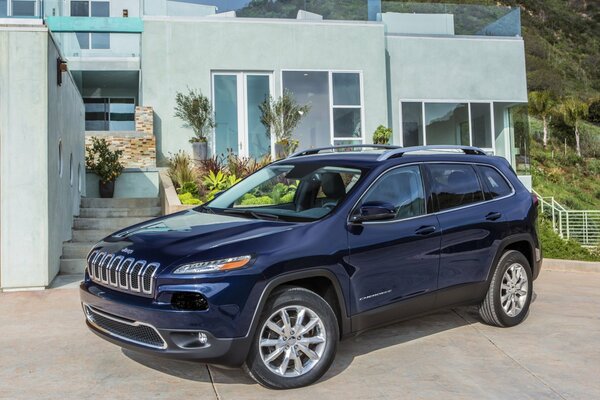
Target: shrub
382,135
189,187
102,161
554,246
188,199
257,201
181,169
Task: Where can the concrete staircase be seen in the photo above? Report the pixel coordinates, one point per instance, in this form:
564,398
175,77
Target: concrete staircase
99,218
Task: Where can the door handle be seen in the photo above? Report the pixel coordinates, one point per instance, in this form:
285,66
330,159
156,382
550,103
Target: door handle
425,230
493,216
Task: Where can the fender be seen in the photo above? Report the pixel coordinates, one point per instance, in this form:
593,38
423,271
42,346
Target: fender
293,276
507,241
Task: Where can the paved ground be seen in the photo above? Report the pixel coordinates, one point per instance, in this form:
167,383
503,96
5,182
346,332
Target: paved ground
47,353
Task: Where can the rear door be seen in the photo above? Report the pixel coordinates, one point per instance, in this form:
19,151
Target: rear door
472,226
397,259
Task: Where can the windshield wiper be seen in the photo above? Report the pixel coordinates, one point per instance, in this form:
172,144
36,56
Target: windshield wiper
205,209
254,214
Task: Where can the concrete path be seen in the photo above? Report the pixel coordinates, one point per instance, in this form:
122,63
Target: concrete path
46,352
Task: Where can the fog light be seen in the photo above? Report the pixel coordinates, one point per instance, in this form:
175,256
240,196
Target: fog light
202,338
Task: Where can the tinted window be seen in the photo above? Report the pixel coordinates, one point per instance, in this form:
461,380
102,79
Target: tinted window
454,185
495,184
401,188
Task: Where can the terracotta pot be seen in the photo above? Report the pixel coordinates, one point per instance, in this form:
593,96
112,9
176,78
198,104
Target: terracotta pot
107,189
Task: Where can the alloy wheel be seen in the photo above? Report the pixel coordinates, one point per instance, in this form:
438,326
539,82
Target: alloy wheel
514,290
292,341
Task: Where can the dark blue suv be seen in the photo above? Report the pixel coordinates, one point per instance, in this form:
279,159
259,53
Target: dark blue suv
311,249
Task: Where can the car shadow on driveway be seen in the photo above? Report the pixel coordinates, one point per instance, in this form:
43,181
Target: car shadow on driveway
368,342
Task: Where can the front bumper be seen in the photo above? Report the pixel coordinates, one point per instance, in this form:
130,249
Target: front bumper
138,327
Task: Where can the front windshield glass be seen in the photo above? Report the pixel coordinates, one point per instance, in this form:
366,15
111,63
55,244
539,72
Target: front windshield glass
288,192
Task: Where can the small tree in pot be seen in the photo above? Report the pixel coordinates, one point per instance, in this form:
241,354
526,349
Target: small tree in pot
105,163
382,135
196,112
281,116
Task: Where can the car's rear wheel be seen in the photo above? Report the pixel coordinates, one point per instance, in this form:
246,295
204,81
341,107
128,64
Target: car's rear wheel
509,295
295,342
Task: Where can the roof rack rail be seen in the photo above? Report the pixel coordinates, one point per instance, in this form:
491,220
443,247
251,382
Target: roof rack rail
317,150
443,148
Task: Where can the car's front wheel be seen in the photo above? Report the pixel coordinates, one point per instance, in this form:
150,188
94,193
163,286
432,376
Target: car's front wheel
509,295
295,342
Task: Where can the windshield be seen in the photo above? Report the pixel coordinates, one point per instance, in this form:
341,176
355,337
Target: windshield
290,192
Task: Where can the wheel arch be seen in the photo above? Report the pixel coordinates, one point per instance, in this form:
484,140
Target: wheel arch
522,243
321,281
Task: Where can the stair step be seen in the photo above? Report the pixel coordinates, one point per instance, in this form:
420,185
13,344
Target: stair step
106,212
141,202
72,266
76,249
90,235
112,224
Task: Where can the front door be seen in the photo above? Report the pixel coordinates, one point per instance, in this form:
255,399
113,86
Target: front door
236,100
394,260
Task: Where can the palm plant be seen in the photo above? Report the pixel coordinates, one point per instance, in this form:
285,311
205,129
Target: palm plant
541,104
573,112
281,116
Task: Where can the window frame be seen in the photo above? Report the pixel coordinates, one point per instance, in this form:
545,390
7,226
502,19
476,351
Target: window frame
426,191
468,102
107,111
330,72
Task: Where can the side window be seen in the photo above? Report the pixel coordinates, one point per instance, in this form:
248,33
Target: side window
401,187
454,185
495,184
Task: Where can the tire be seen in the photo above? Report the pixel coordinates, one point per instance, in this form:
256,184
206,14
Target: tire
321,340
505,303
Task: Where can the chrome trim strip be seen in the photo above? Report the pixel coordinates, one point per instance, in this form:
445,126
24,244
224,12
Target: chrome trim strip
131,261
89,311
114,267
137,276
104,267
151,265
97,265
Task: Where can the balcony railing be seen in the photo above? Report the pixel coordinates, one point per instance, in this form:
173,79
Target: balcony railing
99,44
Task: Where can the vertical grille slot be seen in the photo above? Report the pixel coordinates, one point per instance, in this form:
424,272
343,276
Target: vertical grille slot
104,267
134,276
90,265
97,263
147,277
113,270
123,272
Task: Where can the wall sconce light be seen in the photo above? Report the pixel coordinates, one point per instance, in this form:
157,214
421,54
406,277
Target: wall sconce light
125,13
61,66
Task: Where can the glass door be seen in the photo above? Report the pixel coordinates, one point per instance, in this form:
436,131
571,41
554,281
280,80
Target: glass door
236,100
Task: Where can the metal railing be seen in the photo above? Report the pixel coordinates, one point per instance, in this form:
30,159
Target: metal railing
580,225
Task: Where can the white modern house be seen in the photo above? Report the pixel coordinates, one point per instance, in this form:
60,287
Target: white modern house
434,73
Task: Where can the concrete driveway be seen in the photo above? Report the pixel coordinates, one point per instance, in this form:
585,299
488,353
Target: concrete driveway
46,352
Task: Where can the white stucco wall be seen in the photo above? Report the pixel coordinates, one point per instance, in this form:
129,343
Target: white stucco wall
180,53
35,206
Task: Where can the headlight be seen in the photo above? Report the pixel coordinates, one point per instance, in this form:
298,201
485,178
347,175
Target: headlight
215,265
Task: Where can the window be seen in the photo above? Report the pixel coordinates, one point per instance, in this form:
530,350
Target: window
412,124
3,8
447,123
481,124
336,106
79,178
71,170
60,158
23,8
402,188
495,184
454,185
466,124
93,8
294,192
109,114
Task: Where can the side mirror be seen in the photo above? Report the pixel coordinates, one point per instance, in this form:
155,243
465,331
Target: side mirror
374,211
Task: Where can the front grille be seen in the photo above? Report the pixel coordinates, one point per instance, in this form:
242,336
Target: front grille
120,273
130,331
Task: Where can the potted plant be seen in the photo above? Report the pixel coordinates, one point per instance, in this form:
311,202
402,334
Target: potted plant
281,116
382,135
196,112
105,163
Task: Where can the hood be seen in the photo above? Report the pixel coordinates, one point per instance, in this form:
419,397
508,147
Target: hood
183,235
